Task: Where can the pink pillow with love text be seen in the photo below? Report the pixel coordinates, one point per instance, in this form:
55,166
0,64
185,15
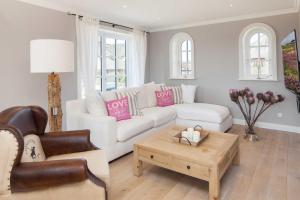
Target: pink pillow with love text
118,108
164,98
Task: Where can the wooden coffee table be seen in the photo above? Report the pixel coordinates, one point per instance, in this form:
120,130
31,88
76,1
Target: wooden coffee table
209,161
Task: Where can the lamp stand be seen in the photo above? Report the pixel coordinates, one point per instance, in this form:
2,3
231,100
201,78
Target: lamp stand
54,102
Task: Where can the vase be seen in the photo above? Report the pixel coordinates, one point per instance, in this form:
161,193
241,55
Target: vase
250,134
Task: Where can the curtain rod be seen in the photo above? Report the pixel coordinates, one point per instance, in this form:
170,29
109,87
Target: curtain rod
105,22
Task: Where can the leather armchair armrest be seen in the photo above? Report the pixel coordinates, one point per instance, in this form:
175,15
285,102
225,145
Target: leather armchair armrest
38,175
57,143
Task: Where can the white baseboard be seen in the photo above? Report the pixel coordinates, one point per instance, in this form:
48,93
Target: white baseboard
267,125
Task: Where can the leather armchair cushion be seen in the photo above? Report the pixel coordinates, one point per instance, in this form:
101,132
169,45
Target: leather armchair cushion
33,150
38,175
96,162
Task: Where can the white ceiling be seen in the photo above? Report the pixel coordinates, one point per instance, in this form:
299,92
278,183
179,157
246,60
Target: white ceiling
155,15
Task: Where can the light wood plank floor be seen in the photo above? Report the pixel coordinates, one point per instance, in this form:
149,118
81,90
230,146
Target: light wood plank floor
269,170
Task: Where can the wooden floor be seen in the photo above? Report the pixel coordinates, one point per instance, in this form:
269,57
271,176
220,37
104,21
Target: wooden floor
269,170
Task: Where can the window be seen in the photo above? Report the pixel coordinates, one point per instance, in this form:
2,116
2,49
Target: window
181,57
258,53
112,62
186,58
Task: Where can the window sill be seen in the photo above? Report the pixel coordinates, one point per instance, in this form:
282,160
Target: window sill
255,79
182,78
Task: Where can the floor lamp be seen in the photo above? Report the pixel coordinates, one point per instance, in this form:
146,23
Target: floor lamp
52,57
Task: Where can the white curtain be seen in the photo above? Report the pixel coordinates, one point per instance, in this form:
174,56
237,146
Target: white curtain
87,52
136,70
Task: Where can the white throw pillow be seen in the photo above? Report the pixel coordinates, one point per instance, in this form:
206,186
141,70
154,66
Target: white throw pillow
109,95
143,96
33,150
188,93
95,104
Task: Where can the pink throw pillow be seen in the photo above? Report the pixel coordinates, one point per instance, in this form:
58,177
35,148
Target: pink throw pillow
118,108
164,98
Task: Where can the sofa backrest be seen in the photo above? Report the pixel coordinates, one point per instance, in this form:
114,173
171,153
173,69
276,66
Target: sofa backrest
76,107
111,95
73,109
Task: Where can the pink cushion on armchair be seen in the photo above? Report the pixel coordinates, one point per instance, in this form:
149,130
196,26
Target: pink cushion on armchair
119,109
164,98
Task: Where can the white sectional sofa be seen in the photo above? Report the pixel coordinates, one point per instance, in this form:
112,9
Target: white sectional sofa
117,138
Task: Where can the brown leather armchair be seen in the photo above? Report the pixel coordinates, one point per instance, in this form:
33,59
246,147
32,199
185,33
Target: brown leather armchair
67,166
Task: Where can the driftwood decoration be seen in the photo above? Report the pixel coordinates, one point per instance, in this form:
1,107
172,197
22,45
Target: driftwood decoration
54,102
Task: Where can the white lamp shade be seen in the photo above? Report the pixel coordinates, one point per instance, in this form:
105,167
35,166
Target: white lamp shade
47,56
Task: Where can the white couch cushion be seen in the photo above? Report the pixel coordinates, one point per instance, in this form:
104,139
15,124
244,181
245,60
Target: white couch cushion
96,161
132,127
188,93
95,104
143,96
160,115
202,112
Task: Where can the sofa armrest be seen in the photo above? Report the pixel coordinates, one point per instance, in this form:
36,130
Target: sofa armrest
57,143
103,130
38,175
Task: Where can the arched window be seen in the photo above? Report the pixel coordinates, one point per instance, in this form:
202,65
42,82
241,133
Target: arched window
258,53
182,57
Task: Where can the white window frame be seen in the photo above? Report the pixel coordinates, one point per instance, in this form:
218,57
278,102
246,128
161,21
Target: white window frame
244,51
175,55
107,34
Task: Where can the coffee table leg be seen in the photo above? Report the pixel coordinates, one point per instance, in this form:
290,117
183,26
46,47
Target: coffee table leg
137,164
214,184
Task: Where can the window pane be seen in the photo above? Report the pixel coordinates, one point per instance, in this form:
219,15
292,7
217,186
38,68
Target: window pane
253,69
110,82
121,48
189,57
254,52
183,46
254,40
114,57
110,63
110,47
189,68
189,45
121,54
264,40
265,69
184,57
121,63
264,52
121,80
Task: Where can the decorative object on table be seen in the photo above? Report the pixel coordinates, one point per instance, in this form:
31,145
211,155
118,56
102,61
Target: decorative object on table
52,56
191,136
245,99
258,63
